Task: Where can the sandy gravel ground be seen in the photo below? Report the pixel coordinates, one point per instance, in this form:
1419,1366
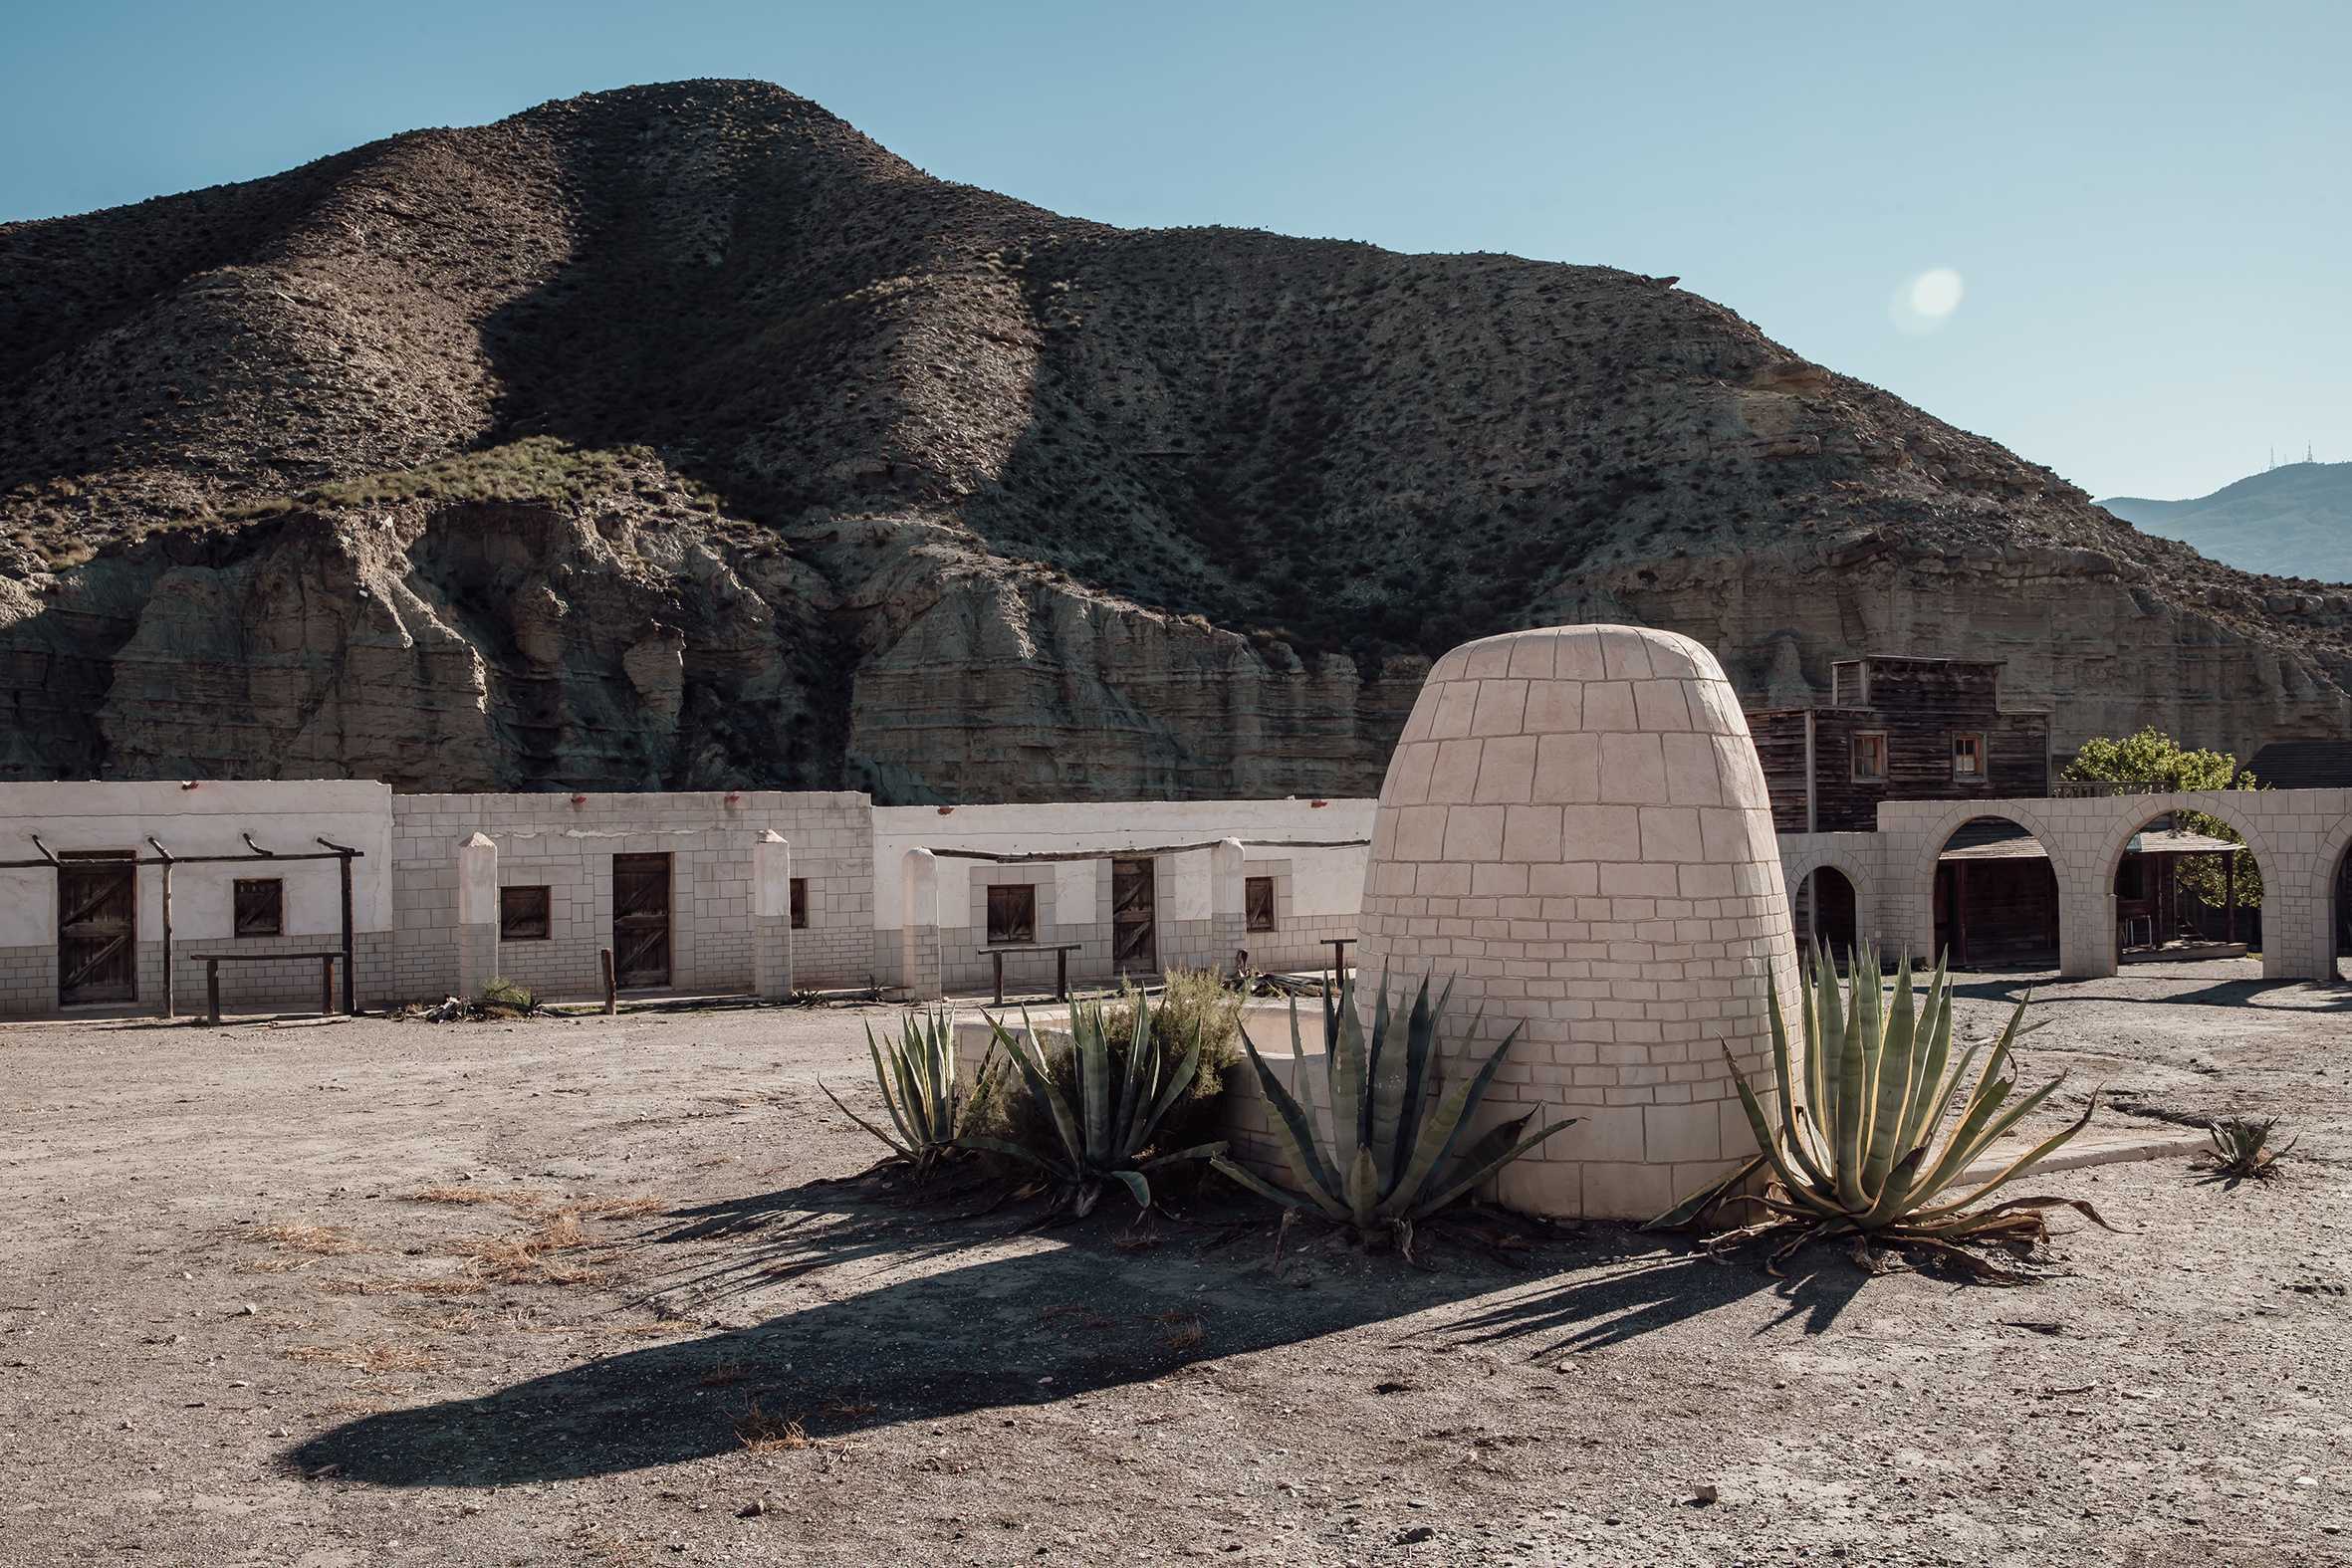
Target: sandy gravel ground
640,1320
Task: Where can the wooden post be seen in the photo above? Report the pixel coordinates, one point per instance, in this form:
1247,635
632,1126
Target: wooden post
611,986
1062,973
2229,899
344,865
169,998
1960,915
999,958
212,990
327,986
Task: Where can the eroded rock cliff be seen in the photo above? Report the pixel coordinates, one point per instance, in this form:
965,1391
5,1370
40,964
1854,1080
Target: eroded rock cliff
681,436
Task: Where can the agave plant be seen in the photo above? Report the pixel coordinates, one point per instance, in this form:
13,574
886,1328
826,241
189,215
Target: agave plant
2241,1148
917,1076
1397,1152
1103,1130
1854,1150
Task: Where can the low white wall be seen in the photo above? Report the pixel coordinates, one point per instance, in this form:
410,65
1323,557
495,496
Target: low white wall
1320,887
287,817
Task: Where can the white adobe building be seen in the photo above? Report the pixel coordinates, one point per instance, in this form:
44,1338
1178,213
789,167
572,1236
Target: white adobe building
758,892
752,892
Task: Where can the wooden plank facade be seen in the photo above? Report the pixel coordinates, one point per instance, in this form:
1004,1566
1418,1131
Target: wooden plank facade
1897,729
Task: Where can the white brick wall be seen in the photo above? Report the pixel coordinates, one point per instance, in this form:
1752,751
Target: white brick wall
1574,830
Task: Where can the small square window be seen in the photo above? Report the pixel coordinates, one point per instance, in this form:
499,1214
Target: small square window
1011,913
1870,756
523,914
261,907
800,903
1968,758
1258,897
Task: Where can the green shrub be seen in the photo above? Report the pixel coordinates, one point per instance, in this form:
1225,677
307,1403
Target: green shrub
1112,1125
916,1074
1401,1148
2241,1148
1854,1149
1195,1008
506,994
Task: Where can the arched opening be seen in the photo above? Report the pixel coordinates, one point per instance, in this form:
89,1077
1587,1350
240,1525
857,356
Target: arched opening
2342,924
1825,909
2186,890
1996,898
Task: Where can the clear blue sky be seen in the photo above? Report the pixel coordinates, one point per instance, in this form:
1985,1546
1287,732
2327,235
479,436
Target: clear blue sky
2149,205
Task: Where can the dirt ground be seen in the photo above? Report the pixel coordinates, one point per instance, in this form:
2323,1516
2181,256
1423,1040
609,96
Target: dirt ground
367,1293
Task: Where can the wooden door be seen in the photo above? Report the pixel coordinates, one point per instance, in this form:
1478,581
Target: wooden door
97,928
641,920
1134,929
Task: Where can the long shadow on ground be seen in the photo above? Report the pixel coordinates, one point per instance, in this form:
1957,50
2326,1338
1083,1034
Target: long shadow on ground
1024,1330
2331,997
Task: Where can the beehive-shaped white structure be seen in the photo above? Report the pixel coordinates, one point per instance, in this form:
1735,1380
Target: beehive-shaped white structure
1574,830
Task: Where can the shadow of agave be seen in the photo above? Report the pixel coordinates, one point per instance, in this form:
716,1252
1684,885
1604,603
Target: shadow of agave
1652,1294
1070,1313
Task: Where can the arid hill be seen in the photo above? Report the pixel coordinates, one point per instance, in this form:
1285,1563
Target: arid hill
682,436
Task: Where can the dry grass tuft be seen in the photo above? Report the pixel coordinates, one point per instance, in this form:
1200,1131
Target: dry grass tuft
724,1375
1185,1329
761,1432
616,1208
319,1240
455,1195
531,1259
374,1360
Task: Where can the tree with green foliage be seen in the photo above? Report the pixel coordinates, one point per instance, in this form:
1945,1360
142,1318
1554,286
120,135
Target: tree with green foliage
2155,758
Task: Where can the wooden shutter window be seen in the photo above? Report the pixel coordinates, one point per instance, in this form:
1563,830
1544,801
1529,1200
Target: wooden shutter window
1011,913
523,914
261,906
1257,894
800,903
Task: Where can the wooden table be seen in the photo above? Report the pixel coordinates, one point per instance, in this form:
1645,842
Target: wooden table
1060,951
214,962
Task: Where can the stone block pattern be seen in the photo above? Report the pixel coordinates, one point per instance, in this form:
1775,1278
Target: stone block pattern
567,845
1574,830
1296,942
28,982
271,984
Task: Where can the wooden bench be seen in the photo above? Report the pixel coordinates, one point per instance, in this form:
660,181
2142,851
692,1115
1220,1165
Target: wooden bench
1060,951
214,962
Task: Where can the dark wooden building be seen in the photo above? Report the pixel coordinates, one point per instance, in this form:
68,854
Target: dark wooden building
1897,729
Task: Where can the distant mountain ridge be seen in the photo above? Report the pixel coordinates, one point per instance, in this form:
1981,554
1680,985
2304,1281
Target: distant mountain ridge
2293,521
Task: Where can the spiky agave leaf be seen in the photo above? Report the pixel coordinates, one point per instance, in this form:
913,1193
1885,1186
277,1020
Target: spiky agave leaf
1115,1111
1879,1170
1393,1154
915,1075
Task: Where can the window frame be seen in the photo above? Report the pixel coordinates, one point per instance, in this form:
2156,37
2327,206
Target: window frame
1984,768
800,903
1854,758
237,890
1251,886
1008,932
547,913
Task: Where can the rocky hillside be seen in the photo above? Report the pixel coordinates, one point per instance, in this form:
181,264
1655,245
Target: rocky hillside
682,436
2295,520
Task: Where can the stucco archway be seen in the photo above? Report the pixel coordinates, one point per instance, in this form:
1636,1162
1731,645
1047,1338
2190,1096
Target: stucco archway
2331,899
1859,877
2137,813
2044,925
